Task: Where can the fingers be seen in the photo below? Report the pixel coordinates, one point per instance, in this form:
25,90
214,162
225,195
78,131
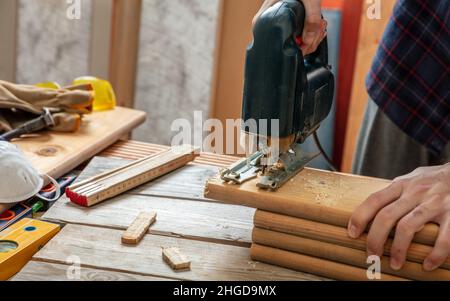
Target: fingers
408,227
369,209
308,49
313,23
441,249
385,221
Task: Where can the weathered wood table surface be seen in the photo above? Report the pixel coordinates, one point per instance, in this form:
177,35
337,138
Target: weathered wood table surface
215,236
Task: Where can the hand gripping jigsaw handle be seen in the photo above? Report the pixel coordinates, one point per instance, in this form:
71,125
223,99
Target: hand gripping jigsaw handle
320,56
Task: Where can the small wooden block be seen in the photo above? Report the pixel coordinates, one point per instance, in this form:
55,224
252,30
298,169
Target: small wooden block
176,260
138,228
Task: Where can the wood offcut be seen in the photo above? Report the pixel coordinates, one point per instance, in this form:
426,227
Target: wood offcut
138,228
175,259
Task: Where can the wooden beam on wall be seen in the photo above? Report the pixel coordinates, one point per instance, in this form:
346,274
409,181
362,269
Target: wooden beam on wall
8,30
233,35
126,25
100,43
370,34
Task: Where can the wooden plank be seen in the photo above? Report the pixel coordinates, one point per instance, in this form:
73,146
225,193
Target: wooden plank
100,248
126,26
332,234
138,228
188,182
233,35
313,265
58,153
320,196
207,221
371,31
8,30
44,271
336,253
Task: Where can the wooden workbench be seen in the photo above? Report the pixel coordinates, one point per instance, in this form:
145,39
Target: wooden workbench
215,236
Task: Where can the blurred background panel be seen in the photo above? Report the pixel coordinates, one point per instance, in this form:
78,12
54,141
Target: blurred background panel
175,63
50,46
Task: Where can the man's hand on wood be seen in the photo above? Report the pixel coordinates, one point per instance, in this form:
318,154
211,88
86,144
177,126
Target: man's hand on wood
408,204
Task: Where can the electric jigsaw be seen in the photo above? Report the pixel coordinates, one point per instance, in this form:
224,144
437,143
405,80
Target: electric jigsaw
282,85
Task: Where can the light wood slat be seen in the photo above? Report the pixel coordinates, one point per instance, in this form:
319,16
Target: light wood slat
176,217
44,271
188,182
138,145
100,39
136,149
126,24
100,248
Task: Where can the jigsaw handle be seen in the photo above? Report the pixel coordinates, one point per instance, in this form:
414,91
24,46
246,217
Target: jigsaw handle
320,56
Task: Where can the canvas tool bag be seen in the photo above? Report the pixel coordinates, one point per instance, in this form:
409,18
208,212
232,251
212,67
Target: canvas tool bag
22,103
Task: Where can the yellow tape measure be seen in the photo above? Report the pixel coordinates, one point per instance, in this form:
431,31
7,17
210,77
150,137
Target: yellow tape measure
20,242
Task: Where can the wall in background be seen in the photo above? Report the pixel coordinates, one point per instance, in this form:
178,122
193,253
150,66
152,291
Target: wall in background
50,46
175,65
8,19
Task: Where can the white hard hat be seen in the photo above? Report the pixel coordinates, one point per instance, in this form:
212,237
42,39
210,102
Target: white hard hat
19,180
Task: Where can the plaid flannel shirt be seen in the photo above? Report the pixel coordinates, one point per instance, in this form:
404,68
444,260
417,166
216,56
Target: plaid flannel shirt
409,79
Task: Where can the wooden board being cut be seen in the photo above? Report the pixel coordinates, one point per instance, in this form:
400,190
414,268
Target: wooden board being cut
56,154
320,196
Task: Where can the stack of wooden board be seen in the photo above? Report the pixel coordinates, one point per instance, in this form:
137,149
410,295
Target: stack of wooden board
302,226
